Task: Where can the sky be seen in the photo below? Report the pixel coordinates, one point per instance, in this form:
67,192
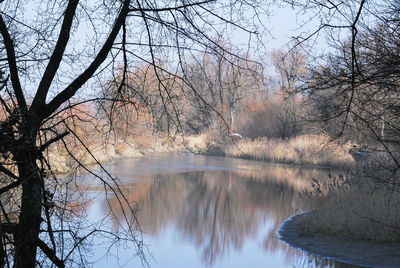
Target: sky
282,24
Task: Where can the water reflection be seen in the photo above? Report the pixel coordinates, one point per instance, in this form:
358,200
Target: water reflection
305,260
218,204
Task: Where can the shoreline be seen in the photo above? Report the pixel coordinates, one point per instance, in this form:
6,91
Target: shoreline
300,151
285,163
62,168
356,252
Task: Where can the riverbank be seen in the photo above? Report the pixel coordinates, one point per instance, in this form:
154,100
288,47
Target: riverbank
65,161
307,150
351,251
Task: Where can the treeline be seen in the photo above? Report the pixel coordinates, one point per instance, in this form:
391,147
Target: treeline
221,100
228,98
220,94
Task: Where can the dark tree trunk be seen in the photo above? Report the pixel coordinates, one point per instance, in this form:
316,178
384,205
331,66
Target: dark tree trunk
26,236
3,254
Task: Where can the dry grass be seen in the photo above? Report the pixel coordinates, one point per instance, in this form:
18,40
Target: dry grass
141,143
353,210
198,143
316,150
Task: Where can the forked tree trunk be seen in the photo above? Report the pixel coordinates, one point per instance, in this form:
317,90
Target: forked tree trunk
26,237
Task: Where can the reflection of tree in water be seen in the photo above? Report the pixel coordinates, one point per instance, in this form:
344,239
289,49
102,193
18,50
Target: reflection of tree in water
215,216
218,210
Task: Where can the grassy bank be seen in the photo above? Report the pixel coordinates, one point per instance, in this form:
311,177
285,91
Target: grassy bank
312,150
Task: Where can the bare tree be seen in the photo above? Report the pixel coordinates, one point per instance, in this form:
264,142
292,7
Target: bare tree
52,51
291,68
354,87
223,84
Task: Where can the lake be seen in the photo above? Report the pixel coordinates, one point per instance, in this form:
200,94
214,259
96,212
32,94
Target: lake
204,211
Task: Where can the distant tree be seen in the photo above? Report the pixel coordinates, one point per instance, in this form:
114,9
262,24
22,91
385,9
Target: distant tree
291,67
223,83
261,119
51,51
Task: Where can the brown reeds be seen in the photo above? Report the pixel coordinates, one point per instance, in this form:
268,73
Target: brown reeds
314,150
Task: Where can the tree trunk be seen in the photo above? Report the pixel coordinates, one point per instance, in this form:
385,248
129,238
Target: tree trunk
232,126
26,237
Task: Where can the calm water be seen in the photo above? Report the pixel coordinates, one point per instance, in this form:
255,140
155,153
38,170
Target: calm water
202,211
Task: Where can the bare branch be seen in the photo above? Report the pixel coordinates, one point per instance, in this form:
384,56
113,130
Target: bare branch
50,254
11,58
8,172
87,74
57,55
10,186
53,140
141,9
